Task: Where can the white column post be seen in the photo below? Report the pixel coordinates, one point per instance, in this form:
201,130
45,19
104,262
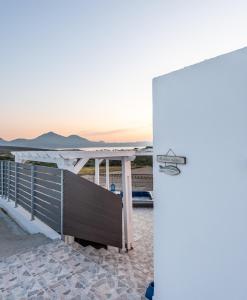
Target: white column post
107,174
127,203
96,178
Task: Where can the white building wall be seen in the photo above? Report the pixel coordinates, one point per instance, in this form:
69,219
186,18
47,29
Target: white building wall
201,215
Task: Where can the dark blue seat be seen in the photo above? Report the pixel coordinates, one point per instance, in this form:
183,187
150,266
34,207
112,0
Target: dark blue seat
150,291
140,194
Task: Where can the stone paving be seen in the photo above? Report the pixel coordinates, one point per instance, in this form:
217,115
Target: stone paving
59,271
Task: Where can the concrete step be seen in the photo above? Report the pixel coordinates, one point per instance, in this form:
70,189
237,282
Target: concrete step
13,239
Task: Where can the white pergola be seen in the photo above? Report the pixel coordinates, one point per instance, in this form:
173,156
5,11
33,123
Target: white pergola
74,161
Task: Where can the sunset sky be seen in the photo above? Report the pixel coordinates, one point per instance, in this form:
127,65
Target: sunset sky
86,67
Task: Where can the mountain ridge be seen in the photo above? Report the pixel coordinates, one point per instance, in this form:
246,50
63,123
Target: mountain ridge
52,140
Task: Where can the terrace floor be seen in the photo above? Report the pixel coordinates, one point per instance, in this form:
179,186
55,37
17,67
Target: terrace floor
59,271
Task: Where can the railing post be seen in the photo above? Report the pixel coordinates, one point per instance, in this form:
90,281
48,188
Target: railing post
8,181
32,193
62,191
16,178
2,177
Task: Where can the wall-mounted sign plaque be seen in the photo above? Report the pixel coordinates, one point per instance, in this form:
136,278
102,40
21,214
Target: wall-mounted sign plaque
178,160
170,161
170,170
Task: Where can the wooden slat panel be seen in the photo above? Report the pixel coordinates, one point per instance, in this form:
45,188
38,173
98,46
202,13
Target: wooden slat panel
12,197
22,187
24,182
24,205
11,182
12,173
47,170
48,192
12,178
50,207
24,176
12,168
25,194
91,212
46,198
12,193
49,222
48,177
47,213
11,188
47,184
23,202
24,168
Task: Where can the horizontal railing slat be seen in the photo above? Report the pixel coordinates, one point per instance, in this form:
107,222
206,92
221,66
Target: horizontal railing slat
47,170
48,192
24,188
23,167
11,197
24,176
12,174
48,221
25,194
48,199
11,189
12,193
11,183
24,205
24,182
47,177
47,184
22,200
47,205
48,213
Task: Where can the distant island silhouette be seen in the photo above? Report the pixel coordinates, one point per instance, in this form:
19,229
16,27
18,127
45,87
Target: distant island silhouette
52,140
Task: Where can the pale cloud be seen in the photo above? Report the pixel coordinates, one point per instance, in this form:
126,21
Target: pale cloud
106,132
120,134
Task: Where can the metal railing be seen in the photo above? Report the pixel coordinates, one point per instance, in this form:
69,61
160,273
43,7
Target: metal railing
37,189
65,202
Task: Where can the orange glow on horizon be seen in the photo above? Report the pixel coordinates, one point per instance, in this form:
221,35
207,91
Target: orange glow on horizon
119,135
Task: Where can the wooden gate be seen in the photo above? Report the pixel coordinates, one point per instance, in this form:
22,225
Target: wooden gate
91,212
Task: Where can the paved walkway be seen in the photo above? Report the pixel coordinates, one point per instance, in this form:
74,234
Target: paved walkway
14,240
59,271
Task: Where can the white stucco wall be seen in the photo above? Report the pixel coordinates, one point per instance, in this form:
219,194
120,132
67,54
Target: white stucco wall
201,214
